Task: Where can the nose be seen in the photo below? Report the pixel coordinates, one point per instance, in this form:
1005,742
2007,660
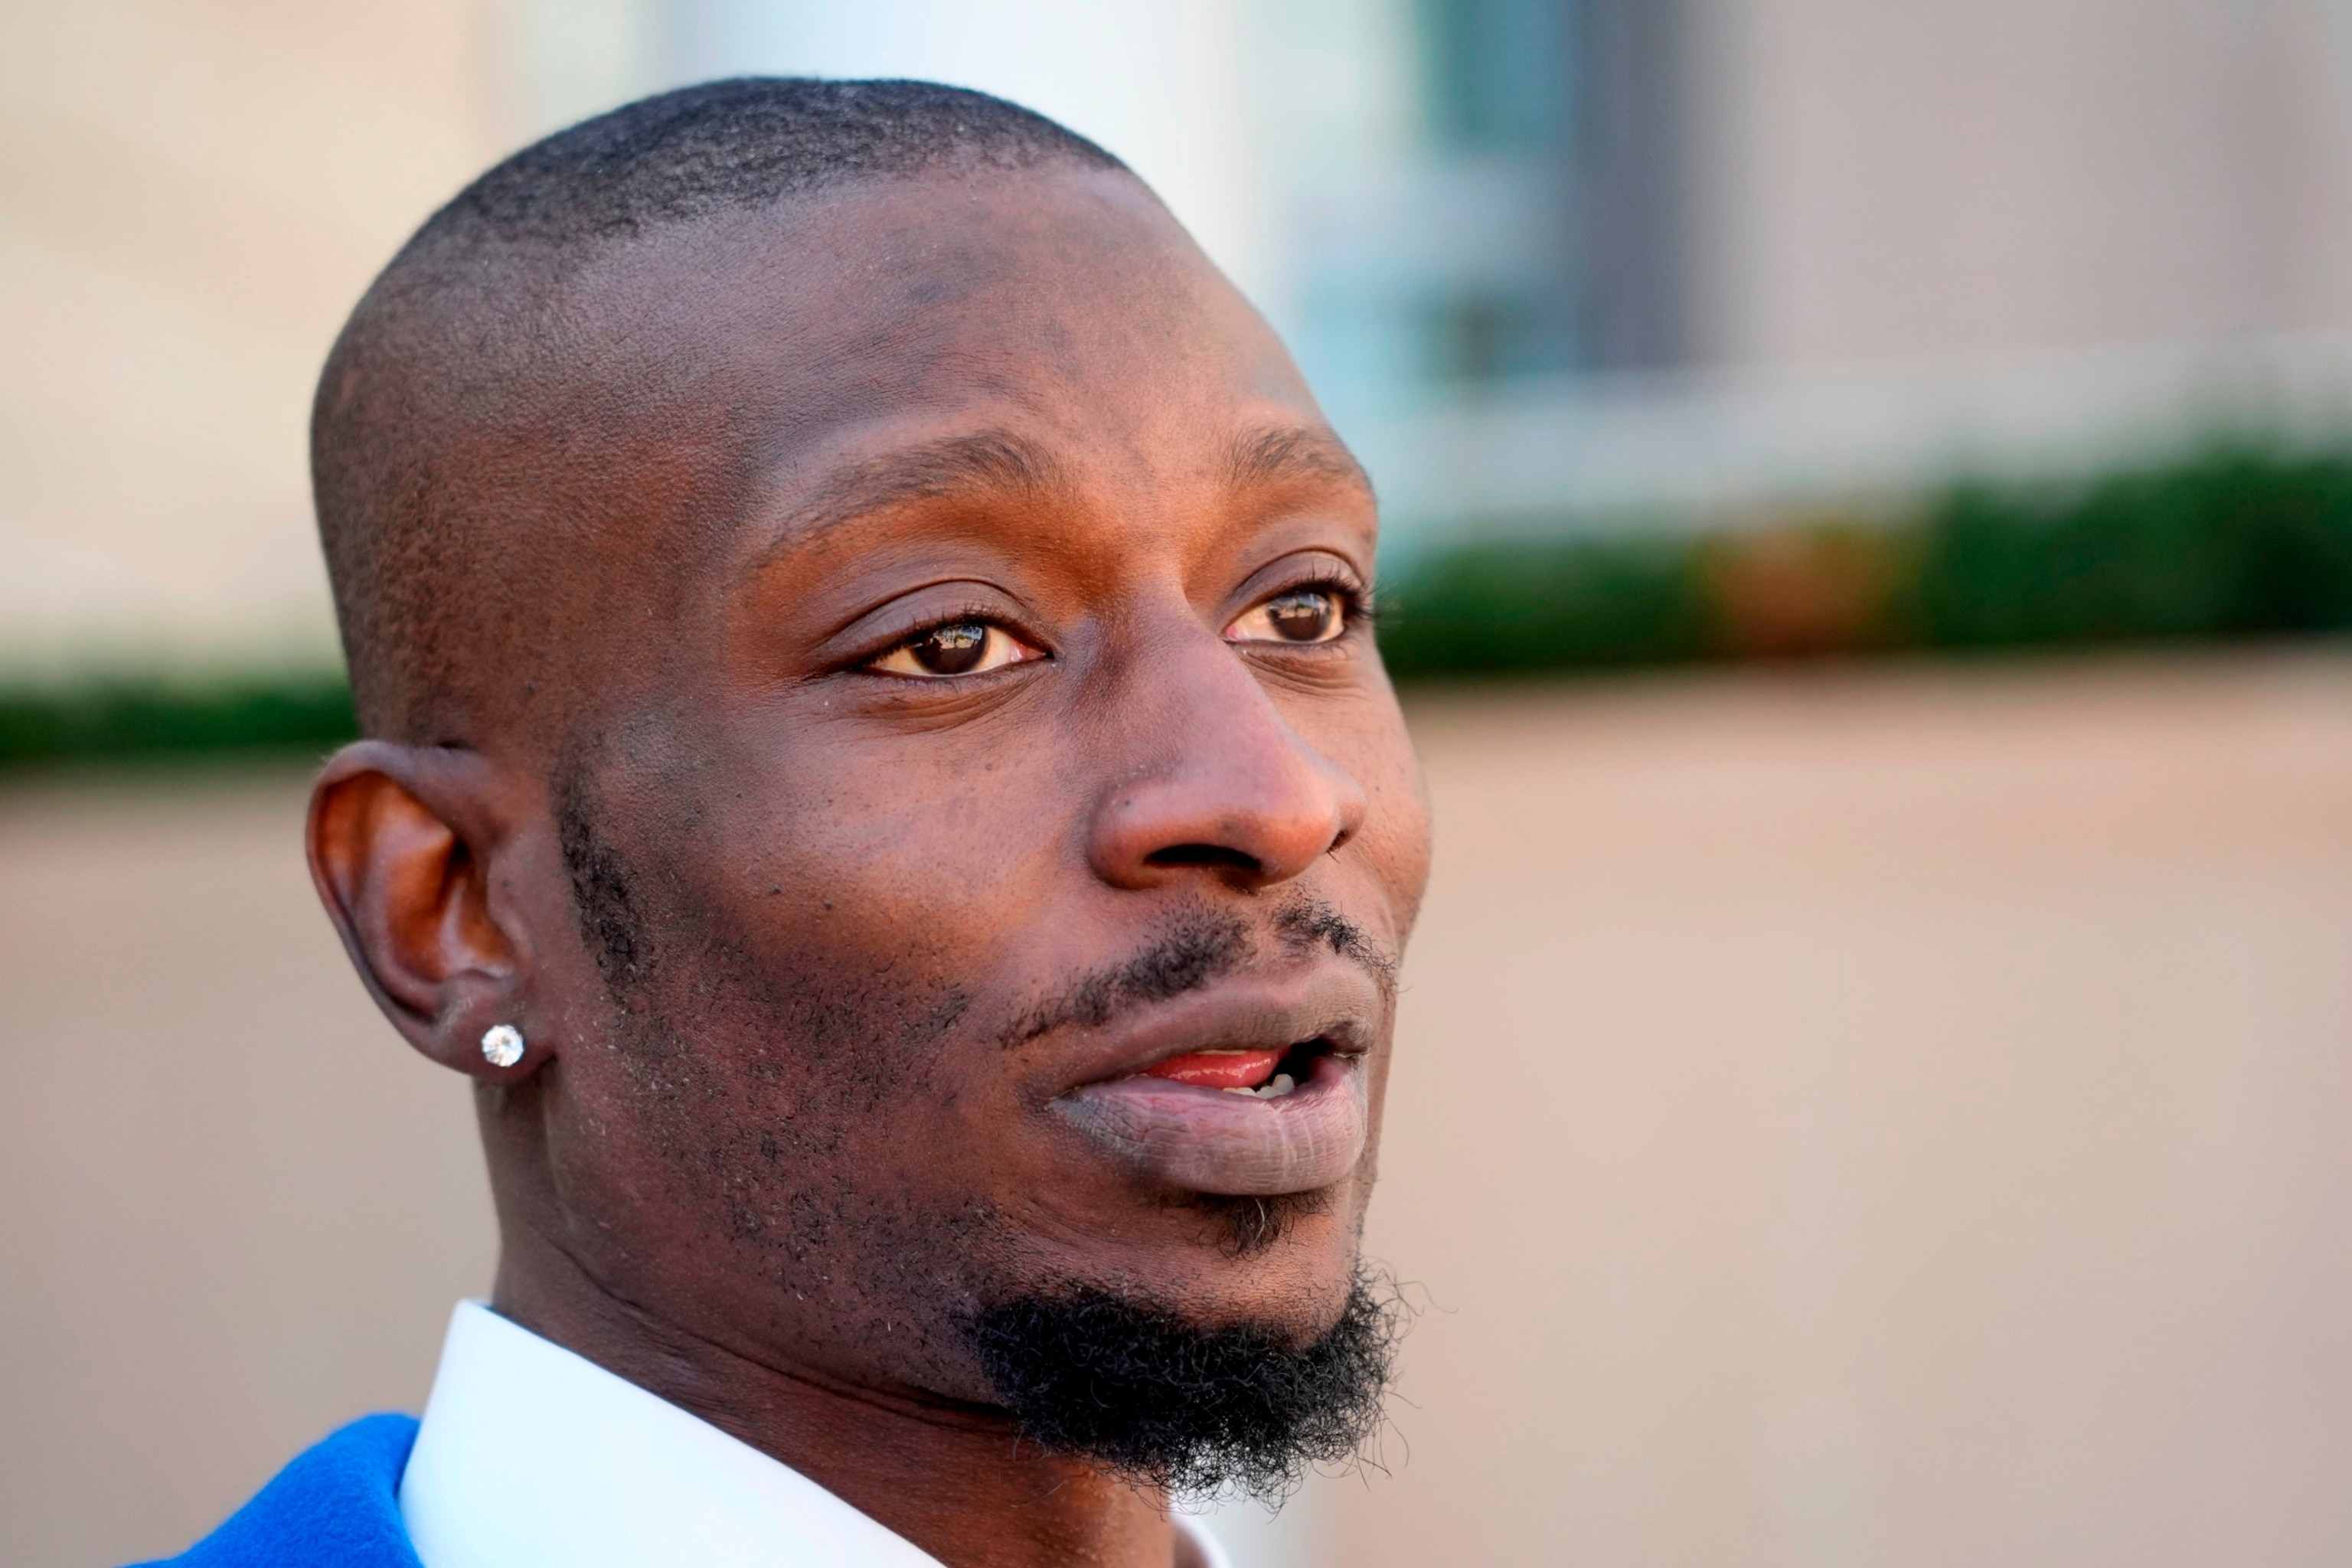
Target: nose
1224,787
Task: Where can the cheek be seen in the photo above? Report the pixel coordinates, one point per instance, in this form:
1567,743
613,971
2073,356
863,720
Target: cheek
1394,843
777,1091
909,856
832,953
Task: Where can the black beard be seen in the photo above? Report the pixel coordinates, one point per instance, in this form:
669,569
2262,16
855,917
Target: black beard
1190,1410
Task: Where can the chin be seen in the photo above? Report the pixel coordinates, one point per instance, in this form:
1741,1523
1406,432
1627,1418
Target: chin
1280,1260
1201,1396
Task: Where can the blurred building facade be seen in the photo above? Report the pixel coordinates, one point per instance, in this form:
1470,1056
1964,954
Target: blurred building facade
1553,261
1545,260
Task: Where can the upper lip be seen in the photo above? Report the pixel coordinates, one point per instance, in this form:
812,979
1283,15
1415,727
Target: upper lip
1331,1003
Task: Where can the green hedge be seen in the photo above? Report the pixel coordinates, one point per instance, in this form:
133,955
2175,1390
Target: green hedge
2232,543
127,720
1582,603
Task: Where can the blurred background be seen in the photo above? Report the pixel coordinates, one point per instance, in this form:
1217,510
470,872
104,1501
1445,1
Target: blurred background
1870,506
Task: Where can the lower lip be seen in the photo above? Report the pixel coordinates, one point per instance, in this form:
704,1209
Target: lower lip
1208,1140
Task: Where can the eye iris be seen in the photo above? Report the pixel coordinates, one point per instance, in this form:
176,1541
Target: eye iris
951,650
1304,616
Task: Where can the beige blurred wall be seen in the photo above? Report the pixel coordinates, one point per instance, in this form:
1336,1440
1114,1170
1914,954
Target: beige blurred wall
2016,177
1883,1116
193,193
235,1208
1893,1117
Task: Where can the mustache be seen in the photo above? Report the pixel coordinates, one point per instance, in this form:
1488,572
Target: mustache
1196,948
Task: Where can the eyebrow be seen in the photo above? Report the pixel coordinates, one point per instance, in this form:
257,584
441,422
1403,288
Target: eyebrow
1004,462
1290,454
955,465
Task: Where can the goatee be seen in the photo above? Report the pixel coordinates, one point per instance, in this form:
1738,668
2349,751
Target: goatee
1197,1410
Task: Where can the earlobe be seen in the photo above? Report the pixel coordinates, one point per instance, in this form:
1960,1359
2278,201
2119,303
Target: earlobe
401,839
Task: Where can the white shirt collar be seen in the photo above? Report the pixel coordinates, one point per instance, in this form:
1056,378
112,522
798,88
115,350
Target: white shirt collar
532,1457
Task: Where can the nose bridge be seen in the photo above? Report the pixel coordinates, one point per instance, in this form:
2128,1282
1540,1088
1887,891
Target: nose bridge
1206,773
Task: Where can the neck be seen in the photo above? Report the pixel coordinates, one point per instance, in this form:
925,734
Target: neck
954,1478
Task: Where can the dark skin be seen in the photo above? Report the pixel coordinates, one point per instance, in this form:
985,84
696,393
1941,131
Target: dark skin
787,1111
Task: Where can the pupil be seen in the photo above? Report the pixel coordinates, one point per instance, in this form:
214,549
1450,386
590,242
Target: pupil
951,650
1302,616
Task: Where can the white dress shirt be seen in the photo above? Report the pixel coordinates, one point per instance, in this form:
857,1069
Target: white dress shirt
530,1457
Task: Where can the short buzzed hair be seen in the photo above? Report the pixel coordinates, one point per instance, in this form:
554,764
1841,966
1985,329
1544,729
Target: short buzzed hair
404,536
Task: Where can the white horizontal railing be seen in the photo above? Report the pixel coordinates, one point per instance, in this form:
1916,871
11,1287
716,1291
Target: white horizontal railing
1722,447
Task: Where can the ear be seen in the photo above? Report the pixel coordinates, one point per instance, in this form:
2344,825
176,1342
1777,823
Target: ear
402,839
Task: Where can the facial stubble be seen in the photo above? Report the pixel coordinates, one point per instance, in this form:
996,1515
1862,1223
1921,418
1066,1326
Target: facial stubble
1134,1385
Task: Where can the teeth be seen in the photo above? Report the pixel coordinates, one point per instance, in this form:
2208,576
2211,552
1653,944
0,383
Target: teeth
1275,1088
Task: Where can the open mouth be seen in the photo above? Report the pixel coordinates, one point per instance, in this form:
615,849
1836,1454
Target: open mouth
1183,1120
1250,1088
1264,1074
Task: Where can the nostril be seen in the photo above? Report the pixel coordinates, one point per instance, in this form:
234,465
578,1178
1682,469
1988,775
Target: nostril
1213,854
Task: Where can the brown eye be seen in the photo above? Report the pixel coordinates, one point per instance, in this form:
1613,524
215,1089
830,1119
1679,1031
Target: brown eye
1300,615
961,648
949,650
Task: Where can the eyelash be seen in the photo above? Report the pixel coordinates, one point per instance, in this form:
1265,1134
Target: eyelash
1356,601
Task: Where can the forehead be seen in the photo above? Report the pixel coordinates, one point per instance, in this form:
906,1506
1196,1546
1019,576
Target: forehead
1063,300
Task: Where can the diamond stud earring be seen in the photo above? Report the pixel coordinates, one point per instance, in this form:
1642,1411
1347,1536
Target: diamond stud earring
502,1044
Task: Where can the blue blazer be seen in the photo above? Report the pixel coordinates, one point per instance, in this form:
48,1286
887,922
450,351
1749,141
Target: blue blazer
336,1506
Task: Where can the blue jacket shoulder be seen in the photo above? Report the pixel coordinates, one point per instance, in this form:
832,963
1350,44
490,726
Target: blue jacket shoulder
336,1506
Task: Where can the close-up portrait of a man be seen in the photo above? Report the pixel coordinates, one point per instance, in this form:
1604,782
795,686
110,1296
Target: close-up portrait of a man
875,763
1175,784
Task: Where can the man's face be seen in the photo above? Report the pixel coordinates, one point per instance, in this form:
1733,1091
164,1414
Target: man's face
985,716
